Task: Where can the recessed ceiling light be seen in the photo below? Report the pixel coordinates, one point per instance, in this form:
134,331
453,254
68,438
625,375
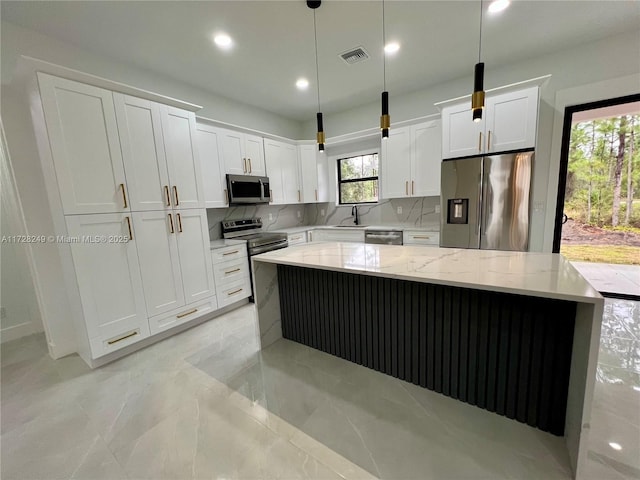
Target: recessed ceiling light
223,40
392,47
498,6
302,83
615,446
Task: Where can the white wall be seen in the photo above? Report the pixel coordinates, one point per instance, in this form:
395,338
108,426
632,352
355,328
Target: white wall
18,41
603,61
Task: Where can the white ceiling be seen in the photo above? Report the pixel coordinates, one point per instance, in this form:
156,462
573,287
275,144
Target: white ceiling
274,41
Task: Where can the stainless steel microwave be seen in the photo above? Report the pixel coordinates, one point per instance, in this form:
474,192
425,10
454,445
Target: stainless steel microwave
247,189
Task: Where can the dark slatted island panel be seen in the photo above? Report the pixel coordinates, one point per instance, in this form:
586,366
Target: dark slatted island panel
509,354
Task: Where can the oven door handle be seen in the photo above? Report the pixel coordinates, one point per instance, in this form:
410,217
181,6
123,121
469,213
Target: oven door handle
267,248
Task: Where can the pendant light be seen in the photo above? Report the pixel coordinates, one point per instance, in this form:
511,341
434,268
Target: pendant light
385,119
320,135
477,99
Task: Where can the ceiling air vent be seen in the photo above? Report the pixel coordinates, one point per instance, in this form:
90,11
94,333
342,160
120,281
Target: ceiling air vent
354,55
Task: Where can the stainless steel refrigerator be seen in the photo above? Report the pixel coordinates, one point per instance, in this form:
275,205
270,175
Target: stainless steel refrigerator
485,202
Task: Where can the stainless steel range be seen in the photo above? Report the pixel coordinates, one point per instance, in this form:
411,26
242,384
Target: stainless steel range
250,229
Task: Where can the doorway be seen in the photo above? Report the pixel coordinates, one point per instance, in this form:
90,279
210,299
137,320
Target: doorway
598,210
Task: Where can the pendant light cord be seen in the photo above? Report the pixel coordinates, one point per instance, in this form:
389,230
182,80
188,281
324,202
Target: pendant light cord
480,41
315,36
384,54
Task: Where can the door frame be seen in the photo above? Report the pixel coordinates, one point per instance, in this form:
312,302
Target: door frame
564,155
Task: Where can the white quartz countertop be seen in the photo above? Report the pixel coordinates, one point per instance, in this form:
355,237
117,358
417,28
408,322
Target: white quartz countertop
225,242
535,274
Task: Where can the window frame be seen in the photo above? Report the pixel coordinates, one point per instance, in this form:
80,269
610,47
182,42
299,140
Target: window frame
359,179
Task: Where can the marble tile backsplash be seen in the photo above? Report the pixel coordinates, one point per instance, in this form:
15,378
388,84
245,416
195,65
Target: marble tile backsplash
416,212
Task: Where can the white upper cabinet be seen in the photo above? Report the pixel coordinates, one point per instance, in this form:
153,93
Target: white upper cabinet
179,129
213,175
108,277
281,160
83,136
140,130
308,170
160,157
426,159
411,161
509,122
243,154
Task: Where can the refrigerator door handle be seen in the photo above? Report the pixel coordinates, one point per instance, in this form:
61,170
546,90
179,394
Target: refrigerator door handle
478,211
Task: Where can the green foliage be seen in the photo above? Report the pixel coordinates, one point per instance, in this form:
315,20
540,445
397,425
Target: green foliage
592,159
361,167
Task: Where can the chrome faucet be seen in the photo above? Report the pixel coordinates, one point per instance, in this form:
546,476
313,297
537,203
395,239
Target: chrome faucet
354,213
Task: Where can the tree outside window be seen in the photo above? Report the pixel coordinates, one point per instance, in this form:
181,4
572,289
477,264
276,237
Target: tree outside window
358,179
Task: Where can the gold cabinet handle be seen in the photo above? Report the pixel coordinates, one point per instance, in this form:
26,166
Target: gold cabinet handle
250,168
232,271
124,195
187,313
422,237
489,141
179,222
124,337
234,292
406,187
130,231
296,238
244,165
166,195
298,195
412,185
171,229
175,194
316,195
270,196
479,141
231,253
226,196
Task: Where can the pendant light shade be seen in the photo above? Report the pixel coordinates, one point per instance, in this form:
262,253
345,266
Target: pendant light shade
477,99
385,119
320,134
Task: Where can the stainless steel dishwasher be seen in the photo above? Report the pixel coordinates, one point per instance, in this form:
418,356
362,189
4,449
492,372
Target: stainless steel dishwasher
383,237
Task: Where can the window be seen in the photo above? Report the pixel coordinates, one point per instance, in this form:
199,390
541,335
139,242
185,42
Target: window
358,179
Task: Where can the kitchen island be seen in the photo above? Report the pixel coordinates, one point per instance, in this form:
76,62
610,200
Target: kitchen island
511,332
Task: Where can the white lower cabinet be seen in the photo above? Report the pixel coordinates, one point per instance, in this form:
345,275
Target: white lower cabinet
338,235
182,315
231,273
296,238
109,282
418,237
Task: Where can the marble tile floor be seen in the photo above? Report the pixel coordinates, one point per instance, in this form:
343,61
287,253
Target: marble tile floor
208,404
610,278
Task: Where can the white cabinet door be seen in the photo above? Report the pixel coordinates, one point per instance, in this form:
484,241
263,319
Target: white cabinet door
143,153
461,136
290,179
254,153
426,159
511,120
308,170
83,135
323,177
179,130
396,164
213,176
233,152
274,160
156,234
109,281
192,231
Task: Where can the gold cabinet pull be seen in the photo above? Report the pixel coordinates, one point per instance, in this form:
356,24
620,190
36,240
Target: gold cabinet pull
412,182
422,237
296,238
171,229
244,165
166,195
234,292
316,195
479,141
250,168
406,187
187,313
175,194
226,196
179,222
231,253
124,337
489,141
129,226
124,195
232,271
270,196
298,195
